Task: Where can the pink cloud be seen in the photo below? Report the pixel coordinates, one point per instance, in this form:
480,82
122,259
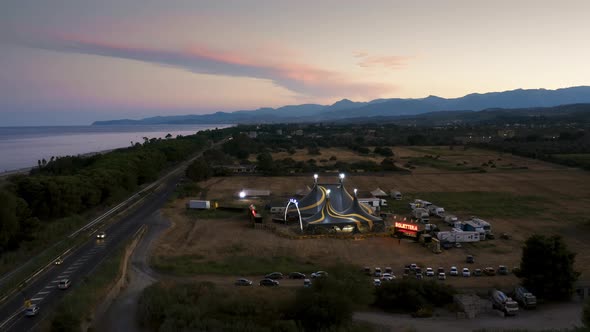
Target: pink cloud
303,79
388,61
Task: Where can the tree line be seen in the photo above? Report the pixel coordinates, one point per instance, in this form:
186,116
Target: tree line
72,185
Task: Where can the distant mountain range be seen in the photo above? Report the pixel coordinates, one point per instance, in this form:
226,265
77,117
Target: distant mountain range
379,108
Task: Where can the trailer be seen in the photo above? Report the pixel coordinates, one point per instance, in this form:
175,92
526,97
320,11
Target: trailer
374,202
471,226
458,236
438,211
421,214
198,204
450,219
486,225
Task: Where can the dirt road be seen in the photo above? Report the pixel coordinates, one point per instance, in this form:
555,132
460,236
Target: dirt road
548,317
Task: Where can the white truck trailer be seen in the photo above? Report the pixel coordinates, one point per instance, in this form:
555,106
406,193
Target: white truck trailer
504,303
450,219
198,204
458,236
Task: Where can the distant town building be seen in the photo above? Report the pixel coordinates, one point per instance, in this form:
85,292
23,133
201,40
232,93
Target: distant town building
279,131
506,133
252,134
298,132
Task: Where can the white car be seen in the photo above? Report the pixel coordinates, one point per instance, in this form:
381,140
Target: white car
319,274
64,284
387,277
377,282
32,310
466,272
454,271
442,276
429,272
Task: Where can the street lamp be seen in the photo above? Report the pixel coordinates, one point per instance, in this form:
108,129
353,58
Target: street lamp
341,176
242,194
355,190
328,193
315,178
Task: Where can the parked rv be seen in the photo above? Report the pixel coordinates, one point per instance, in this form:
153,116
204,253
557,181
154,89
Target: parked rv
458,235
525,298
482,223
450,219
504,303
437,211
421,214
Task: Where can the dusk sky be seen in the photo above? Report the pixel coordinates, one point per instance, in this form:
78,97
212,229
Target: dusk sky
77,61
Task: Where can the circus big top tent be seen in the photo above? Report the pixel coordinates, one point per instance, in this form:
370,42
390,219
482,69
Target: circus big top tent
331,208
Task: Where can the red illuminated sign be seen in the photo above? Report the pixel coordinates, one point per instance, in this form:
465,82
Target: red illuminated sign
406,226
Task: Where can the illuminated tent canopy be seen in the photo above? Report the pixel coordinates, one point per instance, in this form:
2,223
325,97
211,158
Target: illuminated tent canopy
331,208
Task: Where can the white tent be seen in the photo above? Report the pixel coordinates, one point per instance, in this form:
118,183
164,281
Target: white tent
379,193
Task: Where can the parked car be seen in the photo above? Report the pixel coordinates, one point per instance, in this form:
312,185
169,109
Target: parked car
489,271
319,274
243,282
454,271
377,272
268,282
418,270
407,270
442,276
367,270
376,282
387,277
64,284
429,272
470,259
296,275
274,275
388,270
32,310
413,267
466,272
440,270
419,276
101,235
306,283
58,261
502,270
477,273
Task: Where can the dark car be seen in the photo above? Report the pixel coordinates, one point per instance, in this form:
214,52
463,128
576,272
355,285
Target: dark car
477,273
367,270
268,282
470,259
388,270
319,274
243,282
489,271
274,275
502,270
296,275
440,270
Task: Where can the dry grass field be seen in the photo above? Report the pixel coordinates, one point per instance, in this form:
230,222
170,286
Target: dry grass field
544,198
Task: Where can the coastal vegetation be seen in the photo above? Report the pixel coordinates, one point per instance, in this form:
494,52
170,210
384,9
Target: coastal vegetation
58,192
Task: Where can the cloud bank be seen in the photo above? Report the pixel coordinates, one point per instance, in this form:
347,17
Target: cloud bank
300,78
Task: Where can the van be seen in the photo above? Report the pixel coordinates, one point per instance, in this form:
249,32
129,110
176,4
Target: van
306,283
64,284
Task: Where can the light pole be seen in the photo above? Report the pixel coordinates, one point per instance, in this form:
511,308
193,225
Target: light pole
242,194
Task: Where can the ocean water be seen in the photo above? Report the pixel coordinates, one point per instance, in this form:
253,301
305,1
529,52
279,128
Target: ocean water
21,147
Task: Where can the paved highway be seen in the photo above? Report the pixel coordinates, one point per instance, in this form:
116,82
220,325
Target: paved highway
78,264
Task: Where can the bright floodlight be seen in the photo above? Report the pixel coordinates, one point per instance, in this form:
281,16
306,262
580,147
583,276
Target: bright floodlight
355,191
315,176
328,192
341,176
242,194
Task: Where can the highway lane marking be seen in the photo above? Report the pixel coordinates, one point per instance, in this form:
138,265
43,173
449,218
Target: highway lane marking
47,287
37,299
77,264
44,292
63,276
55,281
10,318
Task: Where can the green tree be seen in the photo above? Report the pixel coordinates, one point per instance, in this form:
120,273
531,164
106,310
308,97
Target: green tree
586,314
199,170
547,267
9,225
265,163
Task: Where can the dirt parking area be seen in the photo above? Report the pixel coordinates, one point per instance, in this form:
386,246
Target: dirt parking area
565,192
